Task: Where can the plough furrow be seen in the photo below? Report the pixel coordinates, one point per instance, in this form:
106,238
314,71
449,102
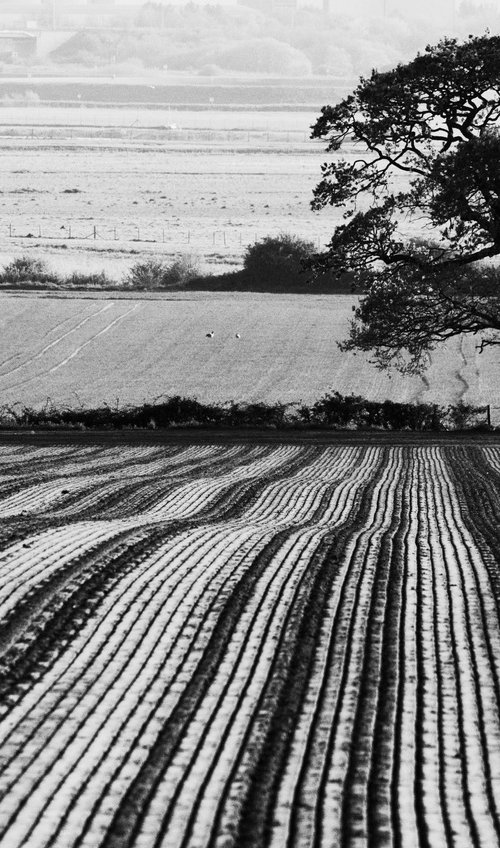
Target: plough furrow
249,646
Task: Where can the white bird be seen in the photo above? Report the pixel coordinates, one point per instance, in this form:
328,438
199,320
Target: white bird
210,335
238,336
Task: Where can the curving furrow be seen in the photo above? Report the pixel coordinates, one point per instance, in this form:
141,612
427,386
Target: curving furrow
146,625
150,485
14,777
316,770
255,646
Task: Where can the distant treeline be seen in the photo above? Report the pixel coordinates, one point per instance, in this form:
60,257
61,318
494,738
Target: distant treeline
216,39
333,411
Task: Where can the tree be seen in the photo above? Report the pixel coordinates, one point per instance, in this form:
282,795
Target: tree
278,258
423,155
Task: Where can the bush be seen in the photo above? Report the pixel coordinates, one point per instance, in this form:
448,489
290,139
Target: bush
156,274
278,258
340,411
181,271
210,70
145,275
79,279
266,56
26,269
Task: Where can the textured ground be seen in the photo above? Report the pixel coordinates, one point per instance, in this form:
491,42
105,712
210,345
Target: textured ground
204,193
250,645
97,350
161,181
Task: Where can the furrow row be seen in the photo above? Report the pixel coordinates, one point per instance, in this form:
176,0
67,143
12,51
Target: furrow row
250,646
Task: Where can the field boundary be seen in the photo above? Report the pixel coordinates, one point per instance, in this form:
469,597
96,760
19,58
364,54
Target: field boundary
183,435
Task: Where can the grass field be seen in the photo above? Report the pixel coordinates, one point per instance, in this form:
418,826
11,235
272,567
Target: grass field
202,193
249,645
161,181
136,118
94,350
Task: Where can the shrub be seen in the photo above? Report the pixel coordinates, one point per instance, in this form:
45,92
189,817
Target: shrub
26,269
145,275
210,70
156,274
340,411
183,270
266,56
278,258
463,416
270,416
80,279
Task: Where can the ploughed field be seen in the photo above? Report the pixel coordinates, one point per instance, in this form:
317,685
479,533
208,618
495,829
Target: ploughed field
91,351
250,645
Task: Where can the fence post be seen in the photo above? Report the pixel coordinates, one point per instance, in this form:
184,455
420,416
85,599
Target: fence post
95,232
10,230
488,415
69,231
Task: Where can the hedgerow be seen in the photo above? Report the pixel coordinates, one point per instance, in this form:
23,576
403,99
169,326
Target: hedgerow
334,412
275,263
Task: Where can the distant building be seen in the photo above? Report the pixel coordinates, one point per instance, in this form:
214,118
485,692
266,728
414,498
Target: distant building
15,14
16,45
99,13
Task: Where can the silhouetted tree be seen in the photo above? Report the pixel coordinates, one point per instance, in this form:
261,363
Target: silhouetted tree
432,124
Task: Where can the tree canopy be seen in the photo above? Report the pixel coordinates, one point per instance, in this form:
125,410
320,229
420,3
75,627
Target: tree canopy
420,185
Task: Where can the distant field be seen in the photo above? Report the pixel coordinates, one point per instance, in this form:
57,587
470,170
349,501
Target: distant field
249,646
257,93
136,117
93,350
204,196
90,189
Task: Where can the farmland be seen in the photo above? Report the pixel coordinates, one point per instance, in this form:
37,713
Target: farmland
242,644
94,350
210,186
89,189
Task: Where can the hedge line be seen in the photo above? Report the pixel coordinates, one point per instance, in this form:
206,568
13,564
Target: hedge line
334,411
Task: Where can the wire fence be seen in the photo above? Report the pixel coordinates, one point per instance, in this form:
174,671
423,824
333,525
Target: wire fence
492,414
234,238
488,415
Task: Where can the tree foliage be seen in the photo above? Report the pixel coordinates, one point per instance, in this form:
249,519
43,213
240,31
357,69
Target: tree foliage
278,258
422,153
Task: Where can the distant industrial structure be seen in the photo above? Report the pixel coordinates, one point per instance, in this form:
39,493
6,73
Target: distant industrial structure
16,45
37,15
56,14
